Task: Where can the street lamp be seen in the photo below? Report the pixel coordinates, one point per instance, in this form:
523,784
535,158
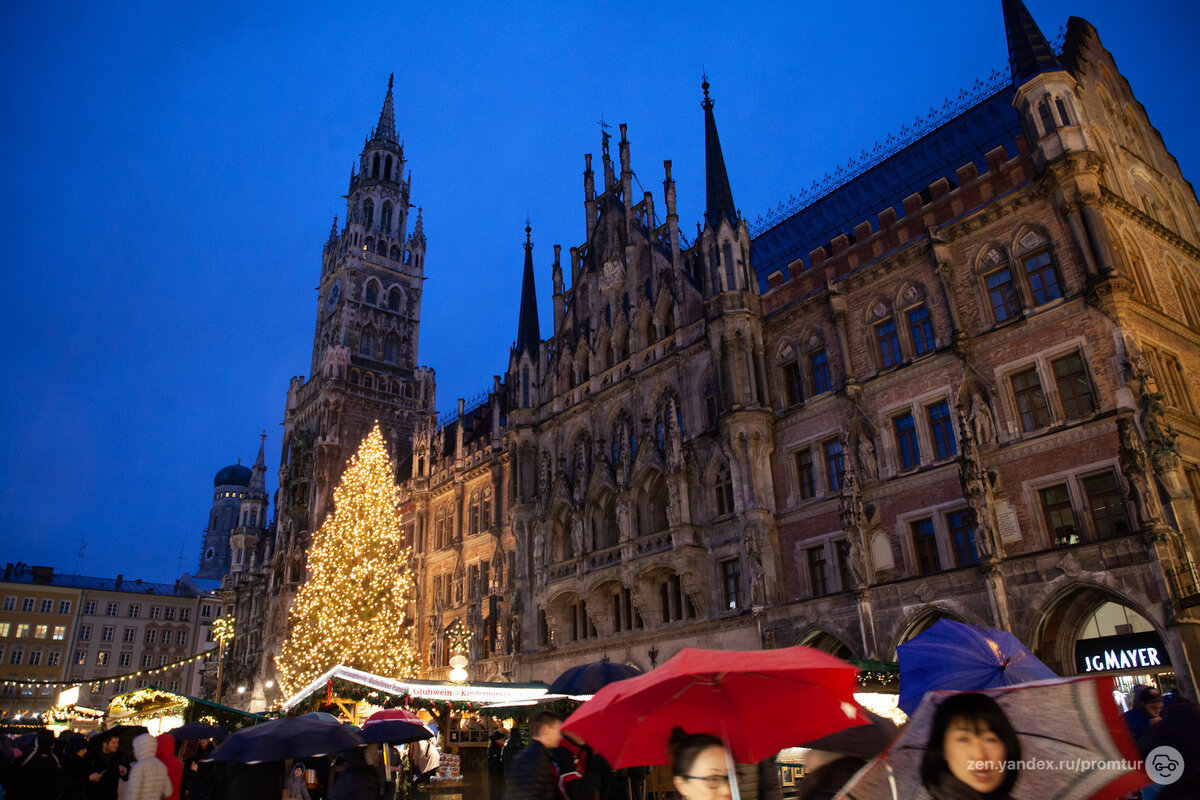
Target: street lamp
222,629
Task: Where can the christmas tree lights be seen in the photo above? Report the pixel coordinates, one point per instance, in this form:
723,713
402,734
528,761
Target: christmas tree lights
351,609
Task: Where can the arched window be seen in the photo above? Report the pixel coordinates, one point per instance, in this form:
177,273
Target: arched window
1041,274
723,488
999,286
790,375
375,166
394,255
731,282
385,218
372,294
381,248
918,326
367,382
394,300
886,340
368,213
387,167
367,345
473,513
667,403
389,349
1137,271
485,514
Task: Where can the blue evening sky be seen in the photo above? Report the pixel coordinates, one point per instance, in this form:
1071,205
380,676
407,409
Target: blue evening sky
171,172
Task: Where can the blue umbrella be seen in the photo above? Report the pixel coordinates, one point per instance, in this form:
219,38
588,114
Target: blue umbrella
957,657
288,737
591,678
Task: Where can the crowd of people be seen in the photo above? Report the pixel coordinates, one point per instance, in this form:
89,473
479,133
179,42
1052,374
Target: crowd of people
970,742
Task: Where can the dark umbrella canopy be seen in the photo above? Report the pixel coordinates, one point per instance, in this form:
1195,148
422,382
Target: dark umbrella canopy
198,730
591,678
864,741
289,737
951,656
395,731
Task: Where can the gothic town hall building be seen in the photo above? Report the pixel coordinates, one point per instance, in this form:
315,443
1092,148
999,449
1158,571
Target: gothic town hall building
959,384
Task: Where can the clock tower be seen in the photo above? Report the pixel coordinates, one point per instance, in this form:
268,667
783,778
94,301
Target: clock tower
364,360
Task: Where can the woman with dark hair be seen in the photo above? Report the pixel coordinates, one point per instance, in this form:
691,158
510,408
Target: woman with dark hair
971,747
699,766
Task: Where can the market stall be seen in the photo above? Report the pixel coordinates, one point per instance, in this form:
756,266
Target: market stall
160,711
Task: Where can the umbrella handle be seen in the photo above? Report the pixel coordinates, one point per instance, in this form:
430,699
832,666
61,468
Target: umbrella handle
892,781
732,769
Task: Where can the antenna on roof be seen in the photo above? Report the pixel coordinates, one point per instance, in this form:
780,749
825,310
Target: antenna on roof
79,555
179,574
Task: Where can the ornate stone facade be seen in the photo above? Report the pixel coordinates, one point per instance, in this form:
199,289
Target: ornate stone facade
971,398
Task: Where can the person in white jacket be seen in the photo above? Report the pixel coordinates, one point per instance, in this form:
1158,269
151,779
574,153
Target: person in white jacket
148,778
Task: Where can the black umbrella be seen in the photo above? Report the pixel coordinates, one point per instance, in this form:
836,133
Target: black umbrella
865,741
125,735
289,737
395,731
591,678
198,730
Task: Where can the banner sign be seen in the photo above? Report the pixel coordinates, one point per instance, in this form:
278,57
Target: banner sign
1130,651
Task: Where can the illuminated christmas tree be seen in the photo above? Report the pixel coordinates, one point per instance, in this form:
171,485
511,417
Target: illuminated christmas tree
351,609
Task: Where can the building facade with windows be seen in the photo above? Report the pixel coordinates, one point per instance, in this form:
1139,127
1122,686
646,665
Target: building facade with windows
960,383
37,624
99,633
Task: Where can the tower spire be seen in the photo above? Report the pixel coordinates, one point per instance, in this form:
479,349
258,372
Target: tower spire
716,180
258,474
386,129
1028,51
529,334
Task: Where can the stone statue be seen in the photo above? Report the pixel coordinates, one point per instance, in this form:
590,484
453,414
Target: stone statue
577,535
674,437
983,424
539,550
623,522
1136,467
866,459
674,513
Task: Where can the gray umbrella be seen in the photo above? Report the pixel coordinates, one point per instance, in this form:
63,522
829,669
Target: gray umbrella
1070,725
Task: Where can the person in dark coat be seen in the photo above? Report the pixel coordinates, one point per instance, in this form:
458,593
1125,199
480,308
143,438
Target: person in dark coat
75,766
361,777
106,767
495,766
1145,714
512,746
1179,729
253,781
533,775
37,774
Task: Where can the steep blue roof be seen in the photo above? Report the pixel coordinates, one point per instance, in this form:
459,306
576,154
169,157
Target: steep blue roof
966,137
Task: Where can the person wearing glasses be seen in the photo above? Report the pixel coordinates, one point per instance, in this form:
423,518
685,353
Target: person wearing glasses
699,766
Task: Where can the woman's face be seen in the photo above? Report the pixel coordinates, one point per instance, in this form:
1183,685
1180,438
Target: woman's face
708,768
975,755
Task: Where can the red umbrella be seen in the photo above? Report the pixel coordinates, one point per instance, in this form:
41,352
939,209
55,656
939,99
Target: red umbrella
758,702
393,713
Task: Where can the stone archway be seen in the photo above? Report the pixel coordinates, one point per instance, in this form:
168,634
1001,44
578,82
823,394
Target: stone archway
1063,619
826,642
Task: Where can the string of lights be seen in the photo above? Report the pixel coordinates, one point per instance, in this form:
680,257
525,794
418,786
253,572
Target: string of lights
96,682
353,607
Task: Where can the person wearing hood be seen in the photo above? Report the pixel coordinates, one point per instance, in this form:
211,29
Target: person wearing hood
297,782
148,778
75,766
166,754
